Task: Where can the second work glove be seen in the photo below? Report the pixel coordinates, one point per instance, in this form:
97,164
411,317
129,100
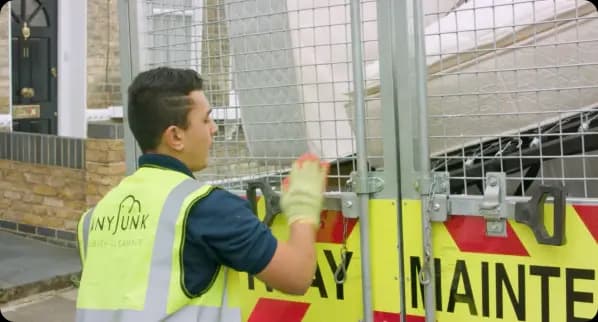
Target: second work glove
302,194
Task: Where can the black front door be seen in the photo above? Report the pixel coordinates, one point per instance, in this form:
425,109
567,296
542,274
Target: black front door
34,50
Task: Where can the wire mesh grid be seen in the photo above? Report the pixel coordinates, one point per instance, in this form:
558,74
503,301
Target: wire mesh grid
278,75
513,87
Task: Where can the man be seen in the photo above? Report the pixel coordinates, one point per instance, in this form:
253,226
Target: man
152,249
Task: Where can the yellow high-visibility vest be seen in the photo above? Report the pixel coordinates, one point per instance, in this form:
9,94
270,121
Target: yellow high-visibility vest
131,250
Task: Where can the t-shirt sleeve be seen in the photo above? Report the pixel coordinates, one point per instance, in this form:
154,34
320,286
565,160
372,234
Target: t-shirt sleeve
224,224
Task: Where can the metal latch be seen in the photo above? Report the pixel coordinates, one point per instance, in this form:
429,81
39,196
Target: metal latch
271,198
493,206
373,183
496,208
346,202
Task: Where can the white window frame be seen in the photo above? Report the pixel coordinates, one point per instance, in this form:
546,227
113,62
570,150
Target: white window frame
196,29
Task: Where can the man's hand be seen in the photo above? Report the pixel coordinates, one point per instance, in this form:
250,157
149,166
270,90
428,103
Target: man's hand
293,265
302,192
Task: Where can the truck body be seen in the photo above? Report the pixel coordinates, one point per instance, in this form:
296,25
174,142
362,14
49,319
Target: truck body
463,141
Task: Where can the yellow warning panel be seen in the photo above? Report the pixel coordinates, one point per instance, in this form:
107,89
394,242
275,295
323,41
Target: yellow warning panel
325,300
330,297
480,278
385,257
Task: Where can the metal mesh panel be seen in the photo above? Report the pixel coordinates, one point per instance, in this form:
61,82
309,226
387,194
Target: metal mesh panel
513,87
278,75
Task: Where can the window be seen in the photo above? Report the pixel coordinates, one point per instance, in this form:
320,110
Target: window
174,34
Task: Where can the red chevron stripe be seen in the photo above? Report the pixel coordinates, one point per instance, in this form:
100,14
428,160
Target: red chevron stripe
380,316
469,233
271,310
589,216
331,227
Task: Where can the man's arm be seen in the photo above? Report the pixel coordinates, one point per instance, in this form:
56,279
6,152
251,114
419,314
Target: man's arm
293,265
224,226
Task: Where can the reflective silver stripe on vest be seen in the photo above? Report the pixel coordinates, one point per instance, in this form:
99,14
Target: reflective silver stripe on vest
205,313
86,223
156,300
186,314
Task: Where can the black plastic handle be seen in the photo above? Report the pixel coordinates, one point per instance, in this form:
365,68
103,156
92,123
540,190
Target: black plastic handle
531,213
272,200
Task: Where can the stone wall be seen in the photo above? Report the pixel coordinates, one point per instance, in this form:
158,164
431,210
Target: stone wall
4,61
103,61
45,200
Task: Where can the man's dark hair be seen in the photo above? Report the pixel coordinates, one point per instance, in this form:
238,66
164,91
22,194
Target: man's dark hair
158,98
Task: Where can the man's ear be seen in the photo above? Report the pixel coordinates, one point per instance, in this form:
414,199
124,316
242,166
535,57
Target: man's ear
173,138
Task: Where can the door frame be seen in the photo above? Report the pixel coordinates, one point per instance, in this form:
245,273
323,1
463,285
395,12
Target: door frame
6,120
48,112
72,69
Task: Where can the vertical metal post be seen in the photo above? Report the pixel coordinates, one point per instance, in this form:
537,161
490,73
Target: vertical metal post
421,76
129,63
362,167
387,49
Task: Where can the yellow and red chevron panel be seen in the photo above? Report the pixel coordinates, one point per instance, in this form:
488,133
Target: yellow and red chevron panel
480,278
327,300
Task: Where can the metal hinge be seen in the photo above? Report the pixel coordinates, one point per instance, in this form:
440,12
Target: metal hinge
496,208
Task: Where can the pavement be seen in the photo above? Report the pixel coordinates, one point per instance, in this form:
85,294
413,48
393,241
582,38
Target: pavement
52,306
37,277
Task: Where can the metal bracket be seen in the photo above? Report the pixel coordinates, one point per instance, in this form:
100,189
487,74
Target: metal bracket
496,208
438,202
373,183
346,202
349,205
343,201
493,206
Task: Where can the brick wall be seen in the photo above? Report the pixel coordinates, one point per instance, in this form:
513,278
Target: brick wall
103,62
4,60
105,165
46,201
41,195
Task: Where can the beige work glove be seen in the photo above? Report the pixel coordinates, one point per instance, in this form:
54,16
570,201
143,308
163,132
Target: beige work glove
302,193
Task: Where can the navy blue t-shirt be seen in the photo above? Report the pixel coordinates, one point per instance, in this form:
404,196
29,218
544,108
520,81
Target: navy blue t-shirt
221,230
